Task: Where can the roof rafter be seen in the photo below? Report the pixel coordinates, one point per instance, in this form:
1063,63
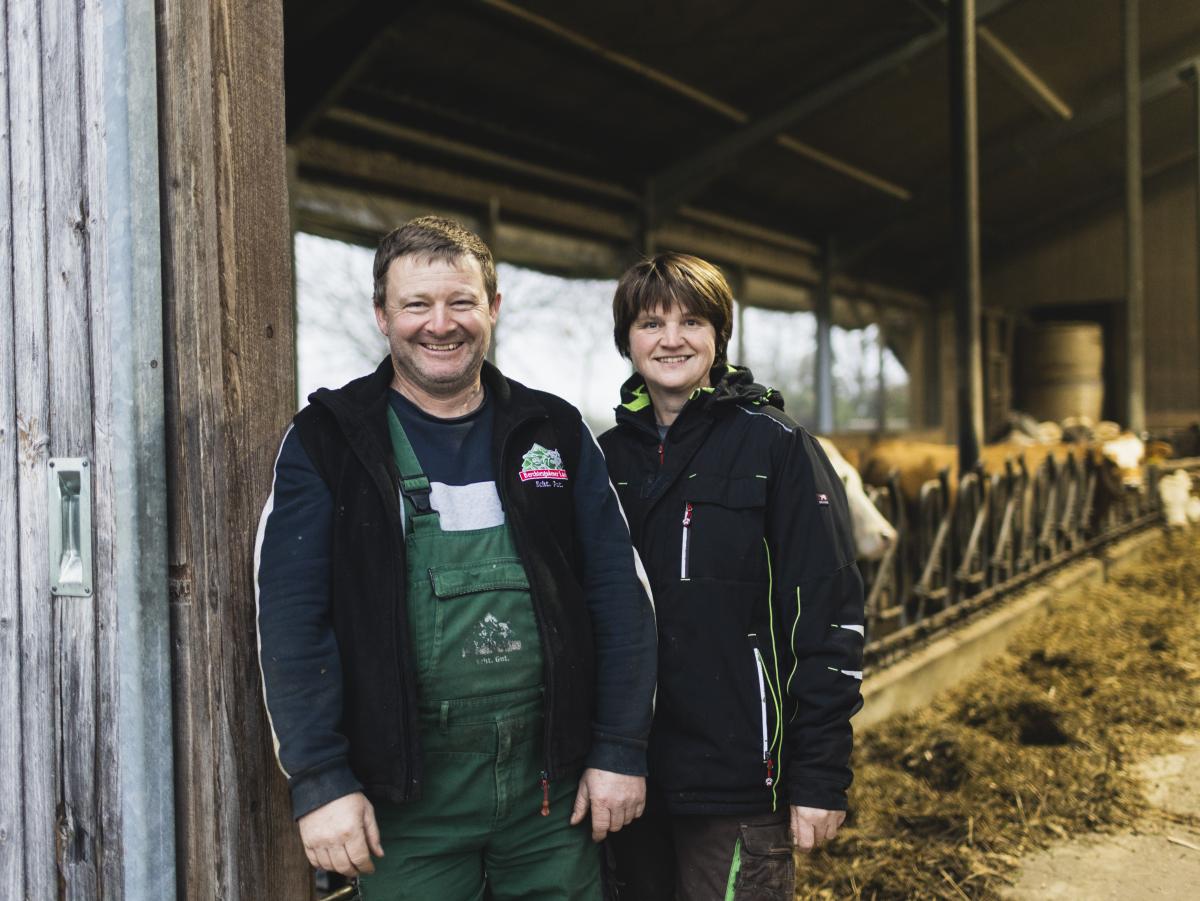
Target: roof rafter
726,110
1007,62
345,50
683,180
1038,140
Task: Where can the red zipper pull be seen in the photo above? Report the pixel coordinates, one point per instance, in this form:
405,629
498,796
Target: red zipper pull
770,771
545,794
687,514
660,455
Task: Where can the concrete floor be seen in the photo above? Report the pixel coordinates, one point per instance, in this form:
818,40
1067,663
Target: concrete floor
1159,858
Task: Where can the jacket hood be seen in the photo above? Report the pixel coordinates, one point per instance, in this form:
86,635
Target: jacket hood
731,385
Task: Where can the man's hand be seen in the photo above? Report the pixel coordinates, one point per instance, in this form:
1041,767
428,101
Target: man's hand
615,801
812,827
341,836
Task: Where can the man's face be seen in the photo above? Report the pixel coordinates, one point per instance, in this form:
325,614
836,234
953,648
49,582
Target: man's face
438,322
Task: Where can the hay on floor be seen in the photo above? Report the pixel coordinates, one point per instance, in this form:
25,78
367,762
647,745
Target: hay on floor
1035,747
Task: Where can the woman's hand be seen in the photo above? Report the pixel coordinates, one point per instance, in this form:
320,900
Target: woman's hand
812,827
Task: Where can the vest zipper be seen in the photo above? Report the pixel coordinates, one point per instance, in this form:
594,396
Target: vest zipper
769,763
683,554
545,783
661,454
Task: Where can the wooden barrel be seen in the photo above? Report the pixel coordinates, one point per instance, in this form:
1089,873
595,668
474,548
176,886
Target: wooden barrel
1065,372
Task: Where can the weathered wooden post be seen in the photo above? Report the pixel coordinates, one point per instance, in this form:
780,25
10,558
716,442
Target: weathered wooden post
230,391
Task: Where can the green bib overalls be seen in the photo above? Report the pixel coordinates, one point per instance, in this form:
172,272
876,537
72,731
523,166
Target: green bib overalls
479,684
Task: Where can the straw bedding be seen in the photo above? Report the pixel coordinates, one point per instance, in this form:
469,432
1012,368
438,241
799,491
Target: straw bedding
1035,747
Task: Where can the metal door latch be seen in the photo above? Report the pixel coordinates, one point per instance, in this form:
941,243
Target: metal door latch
70,522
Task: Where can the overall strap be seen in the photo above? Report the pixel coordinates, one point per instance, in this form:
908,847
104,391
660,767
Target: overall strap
414,484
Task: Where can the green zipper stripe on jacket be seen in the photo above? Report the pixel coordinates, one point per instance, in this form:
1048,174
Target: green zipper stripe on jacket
776,742
777,689
776,701
796,660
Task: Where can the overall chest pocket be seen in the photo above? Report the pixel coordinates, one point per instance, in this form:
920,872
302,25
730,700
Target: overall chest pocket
452,580
477,617
722,527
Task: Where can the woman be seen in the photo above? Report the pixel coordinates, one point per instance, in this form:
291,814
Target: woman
743,528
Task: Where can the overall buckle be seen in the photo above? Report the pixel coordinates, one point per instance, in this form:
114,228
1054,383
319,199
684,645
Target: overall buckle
417,490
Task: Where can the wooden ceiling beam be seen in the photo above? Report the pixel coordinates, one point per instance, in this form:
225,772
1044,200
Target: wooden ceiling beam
686,178
1038,141
318,72
682,89
1016,72
1006,62
403,133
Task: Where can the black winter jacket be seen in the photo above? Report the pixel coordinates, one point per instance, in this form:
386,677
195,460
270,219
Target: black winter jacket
743,527
337,669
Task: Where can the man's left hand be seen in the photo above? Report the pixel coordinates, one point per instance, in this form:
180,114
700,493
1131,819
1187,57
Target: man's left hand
615,801
812,827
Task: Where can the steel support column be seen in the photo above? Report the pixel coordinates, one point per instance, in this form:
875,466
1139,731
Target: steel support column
1135,313
964,128
881,353
1192,76
824,340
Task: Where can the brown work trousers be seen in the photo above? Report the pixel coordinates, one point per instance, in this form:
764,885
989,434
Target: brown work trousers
700,858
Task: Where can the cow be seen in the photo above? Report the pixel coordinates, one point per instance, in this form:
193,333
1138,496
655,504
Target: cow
917,462
873,534
1180,506
1175,493
1126,451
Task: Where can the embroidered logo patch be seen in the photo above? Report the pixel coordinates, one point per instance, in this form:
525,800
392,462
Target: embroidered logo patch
491,642
823,500
543,464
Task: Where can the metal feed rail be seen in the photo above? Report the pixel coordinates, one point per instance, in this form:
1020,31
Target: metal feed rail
995,536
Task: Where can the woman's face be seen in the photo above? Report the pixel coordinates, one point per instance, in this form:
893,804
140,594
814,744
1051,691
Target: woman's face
672,350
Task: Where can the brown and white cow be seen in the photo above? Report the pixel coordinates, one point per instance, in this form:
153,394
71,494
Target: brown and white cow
917,462
1180,506
873,534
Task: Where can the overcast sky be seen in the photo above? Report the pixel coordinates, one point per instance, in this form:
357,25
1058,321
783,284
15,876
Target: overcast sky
555,334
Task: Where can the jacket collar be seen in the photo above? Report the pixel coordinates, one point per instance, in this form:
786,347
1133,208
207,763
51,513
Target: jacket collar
732,386
362,403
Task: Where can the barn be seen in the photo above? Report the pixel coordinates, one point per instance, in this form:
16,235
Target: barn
1003,194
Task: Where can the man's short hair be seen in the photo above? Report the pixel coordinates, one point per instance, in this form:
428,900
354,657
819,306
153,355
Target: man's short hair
669,278
432,238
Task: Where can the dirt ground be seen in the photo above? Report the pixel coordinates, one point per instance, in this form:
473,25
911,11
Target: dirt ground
1158,858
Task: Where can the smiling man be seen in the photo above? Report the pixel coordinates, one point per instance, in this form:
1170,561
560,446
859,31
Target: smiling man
456,638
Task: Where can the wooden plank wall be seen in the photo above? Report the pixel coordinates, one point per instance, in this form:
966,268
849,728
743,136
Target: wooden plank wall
60,829
12,837
1083,262
230,392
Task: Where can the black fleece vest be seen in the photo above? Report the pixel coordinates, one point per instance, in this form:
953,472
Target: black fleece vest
345,435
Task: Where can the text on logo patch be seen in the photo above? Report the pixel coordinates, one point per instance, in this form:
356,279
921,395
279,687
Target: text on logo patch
542,463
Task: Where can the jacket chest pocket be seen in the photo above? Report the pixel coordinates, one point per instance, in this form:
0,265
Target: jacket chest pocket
721,524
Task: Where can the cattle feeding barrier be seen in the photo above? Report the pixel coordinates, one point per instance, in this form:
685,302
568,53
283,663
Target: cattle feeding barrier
962,550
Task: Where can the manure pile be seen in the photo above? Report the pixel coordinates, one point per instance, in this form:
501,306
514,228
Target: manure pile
1037,746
